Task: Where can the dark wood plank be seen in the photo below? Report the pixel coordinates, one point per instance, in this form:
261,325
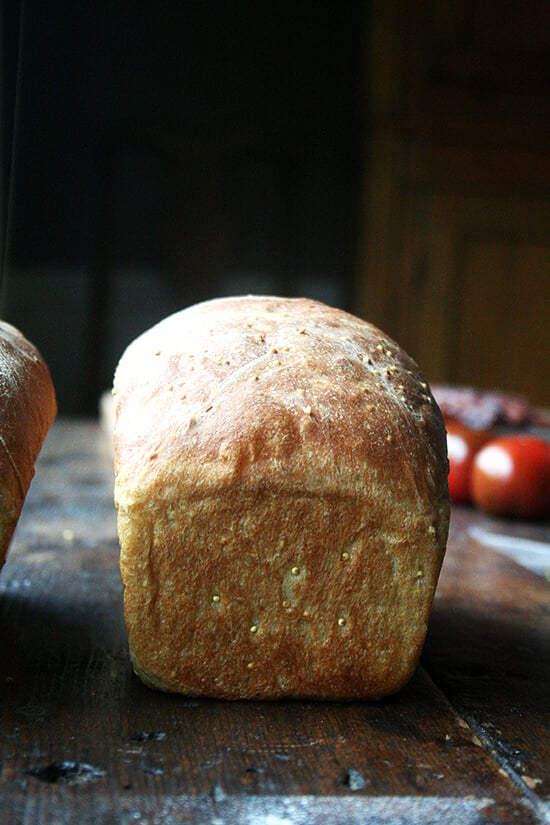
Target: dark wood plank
488,649
82,740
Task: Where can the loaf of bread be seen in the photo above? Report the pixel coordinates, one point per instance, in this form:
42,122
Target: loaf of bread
27,410
281,485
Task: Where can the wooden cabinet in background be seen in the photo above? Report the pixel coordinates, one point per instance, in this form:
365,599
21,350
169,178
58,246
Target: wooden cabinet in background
455,249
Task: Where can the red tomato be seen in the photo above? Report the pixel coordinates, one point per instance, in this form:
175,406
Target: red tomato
511,477
462,444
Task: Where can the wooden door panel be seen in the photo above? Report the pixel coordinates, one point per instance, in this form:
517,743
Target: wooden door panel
503,324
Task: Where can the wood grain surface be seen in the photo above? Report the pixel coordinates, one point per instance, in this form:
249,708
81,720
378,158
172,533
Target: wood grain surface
83,741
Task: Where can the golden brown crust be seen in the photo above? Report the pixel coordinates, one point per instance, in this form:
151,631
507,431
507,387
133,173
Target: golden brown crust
27,410
281,484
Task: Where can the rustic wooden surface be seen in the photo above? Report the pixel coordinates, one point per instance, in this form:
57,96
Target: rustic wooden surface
82,740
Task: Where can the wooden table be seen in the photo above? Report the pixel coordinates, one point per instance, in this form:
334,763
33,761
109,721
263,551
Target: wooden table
83,741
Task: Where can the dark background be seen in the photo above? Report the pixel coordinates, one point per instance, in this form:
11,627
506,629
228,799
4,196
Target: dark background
386,156
166,153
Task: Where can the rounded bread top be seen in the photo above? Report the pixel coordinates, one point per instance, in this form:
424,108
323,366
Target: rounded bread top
27,405
289,393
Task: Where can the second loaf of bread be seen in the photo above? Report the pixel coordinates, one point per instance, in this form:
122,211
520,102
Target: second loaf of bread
27,410
281,485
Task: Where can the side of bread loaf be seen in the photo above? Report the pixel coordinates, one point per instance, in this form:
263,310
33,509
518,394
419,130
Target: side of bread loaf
27,410
281,485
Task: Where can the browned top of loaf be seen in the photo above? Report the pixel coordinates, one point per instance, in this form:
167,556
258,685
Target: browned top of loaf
249,389
27,410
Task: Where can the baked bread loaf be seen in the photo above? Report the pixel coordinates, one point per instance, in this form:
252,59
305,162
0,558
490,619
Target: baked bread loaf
281,485
27,410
